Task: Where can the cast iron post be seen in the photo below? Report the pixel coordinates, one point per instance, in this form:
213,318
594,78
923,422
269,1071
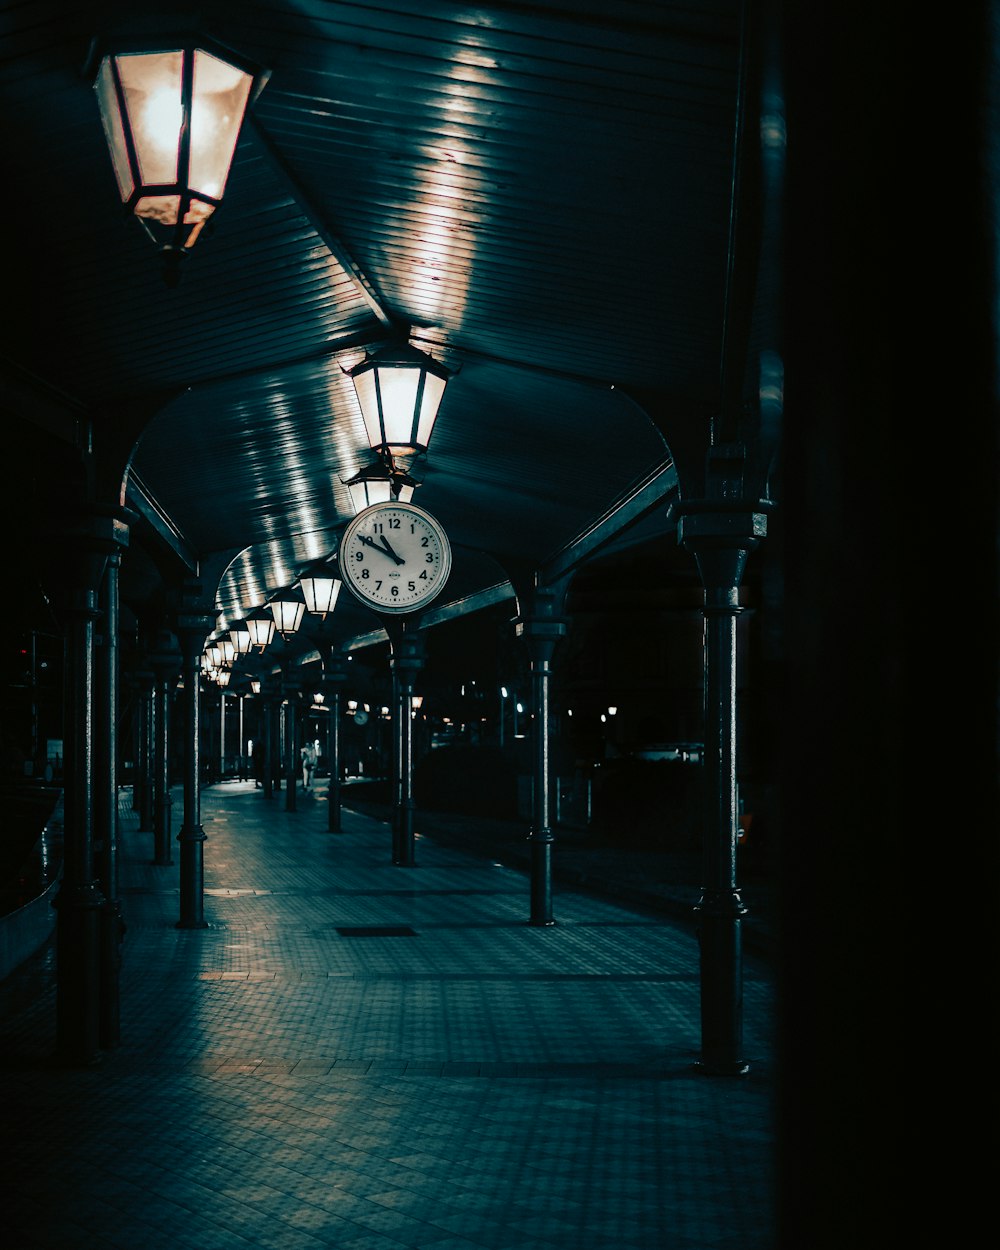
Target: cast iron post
145,680
291,683
194,628
334,680
541,630
271,704
407,659
166,662
720,538
106,833
83,553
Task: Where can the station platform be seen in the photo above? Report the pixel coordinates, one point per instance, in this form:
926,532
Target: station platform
364,1056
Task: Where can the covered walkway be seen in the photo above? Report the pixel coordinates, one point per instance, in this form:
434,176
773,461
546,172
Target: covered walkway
366,1056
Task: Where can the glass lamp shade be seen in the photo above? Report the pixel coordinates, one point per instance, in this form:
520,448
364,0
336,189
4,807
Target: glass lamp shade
172,119
222,677
400,390
227,650
261,630
288,610
379,484
240,637
214,653
254,685
320,593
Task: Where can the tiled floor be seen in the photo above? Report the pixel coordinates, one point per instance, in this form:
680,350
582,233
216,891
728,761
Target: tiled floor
455,1079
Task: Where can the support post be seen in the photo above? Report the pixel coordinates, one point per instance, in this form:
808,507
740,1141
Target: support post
408,654
83,553
145,680
106,832
194,628
290,684
271,703
166,662
720,539
541,630
334,680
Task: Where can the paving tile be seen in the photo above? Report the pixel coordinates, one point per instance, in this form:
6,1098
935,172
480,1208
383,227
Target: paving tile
480,1085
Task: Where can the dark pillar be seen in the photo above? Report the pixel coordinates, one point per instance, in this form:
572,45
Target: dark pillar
271,705
396,750
193,628
145,680
290,683
407,658
79,902
166,661
334,680
106,834
720,540
541,630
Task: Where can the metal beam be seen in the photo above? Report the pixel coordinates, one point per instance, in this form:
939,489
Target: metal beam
138,498
646,496
330,240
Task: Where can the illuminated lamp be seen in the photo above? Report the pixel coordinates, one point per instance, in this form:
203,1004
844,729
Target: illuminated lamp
378,483
172,117
288,608
320,593
399,390
260,626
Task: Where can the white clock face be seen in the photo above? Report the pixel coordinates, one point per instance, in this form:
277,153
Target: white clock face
394,557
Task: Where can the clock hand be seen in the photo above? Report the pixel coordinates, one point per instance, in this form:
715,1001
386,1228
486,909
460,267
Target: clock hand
384,550
389,550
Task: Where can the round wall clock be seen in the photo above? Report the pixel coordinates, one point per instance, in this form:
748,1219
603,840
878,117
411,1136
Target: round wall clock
394,557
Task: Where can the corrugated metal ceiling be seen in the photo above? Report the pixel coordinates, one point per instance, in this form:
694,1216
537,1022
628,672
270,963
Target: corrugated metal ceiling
540,194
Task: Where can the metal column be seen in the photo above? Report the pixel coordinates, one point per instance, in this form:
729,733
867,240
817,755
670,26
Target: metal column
191,839
720,541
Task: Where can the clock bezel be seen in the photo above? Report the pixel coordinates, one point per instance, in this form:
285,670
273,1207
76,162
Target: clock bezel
357,523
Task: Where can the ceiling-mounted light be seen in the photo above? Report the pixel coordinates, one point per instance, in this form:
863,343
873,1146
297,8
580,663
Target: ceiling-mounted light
172,116
239,635
320,592
400,390
378,483
288,608
260,626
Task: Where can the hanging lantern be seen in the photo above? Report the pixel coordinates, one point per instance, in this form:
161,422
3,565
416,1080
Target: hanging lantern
400,390
172,118
320,593
261,629
240,637
222,677
379,483
255,685
288,609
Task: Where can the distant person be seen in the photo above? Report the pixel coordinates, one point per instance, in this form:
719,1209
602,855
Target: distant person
308,764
